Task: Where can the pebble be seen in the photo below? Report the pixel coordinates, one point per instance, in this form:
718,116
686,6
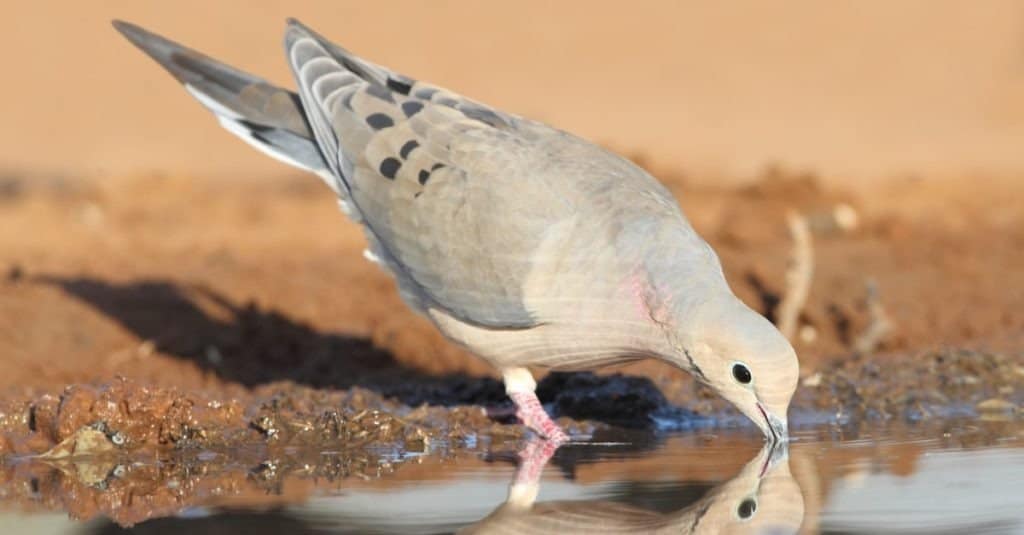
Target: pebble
996,405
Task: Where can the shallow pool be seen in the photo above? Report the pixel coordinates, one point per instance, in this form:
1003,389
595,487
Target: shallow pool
949,477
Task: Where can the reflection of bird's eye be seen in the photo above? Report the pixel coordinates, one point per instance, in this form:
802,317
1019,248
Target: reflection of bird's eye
747,508
741,373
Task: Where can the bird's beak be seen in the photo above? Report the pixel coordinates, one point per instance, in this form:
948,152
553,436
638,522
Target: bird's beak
773,427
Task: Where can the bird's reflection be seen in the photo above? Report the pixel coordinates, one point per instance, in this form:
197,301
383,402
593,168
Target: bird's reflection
763,498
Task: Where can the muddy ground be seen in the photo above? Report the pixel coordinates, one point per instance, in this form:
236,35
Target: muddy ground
222,290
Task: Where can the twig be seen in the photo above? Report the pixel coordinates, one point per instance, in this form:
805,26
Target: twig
798,275
879,325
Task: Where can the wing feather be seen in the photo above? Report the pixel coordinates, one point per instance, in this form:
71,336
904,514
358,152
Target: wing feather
438,179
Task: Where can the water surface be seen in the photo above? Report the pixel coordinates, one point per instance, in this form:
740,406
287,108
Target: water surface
945,477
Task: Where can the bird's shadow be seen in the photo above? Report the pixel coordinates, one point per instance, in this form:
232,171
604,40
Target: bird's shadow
253,345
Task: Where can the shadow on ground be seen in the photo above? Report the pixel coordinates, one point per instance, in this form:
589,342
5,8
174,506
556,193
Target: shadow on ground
250,345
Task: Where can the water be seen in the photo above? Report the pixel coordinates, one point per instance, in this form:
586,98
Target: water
945,477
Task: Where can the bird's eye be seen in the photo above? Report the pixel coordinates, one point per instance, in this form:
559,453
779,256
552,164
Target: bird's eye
746,509
741,373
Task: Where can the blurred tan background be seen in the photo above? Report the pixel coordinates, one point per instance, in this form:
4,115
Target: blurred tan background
854,91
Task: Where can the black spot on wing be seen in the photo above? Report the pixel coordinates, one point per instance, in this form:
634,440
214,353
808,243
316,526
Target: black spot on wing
400,86
407,148
389,167
378,121
425,174
411,107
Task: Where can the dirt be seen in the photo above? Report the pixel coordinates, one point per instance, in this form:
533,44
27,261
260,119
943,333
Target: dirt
130,452
185,282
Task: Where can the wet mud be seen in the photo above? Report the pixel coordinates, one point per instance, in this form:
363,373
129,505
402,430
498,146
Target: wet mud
256,480
126,416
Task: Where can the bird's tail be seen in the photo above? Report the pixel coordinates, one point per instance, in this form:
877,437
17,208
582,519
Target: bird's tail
268,117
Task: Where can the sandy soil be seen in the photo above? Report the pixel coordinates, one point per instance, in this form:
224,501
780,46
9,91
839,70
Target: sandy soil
183,282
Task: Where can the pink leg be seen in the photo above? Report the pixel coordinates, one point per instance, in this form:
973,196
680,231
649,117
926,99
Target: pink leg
532,414
532,459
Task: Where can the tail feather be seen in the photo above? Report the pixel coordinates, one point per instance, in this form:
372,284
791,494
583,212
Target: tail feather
268,117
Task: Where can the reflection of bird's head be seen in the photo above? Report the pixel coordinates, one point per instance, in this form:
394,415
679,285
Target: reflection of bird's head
762,498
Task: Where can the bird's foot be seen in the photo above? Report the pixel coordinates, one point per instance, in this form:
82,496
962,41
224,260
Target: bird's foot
531,413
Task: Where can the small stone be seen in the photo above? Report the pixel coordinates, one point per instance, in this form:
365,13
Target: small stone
266,425
845,216
146,348
807,334
996,405
118,439
214,356
813,380
85,441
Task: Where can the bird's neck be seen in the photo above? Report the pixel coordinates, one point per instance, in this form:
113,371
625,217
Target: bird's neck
676,283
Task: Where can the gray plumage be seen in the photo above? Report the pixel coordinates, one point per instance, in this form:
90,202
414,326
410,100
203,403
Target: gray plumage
522,242
260,113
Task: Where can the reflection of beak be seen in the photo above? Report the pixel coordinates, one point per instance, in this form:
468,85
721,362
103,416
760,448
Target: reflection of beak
773,428
773,453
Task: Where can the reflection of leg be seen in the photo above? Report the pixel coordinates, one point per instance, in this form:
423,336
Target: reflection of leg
520,387
532,459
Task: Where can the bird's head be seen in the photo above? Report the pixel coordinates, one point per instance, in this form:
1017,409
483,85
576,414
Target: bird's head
744,358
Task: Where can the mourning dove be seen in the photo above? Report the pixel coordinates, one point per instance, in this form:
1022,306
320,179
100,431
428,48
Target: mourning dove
525,244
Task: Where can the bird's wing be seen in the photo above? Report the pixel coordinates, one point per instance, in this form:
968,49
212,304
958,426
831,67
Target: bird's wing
266,116
446,187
